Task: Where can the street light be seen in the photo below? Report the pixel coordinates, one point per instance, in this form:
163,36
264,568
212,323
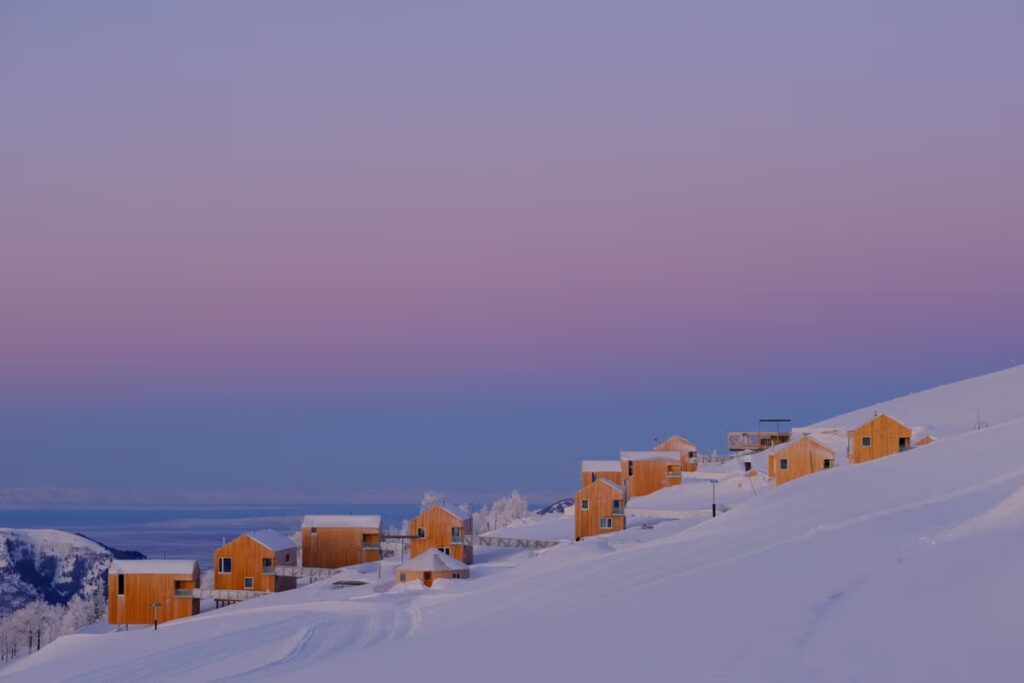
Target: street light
714,506
156,606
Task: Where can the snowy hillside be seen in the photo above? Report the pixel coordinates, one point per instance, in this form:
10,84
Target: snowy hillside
48,565
906,568
951,408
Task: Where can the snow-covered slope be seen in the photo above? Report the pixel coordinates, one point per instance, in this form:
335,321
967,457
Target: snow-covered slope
905,568
49,565
949,409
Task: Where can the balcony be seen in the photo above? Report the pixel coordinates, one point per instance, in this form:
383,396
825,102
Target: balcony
459,540
268,571
183,592
371,545
619,512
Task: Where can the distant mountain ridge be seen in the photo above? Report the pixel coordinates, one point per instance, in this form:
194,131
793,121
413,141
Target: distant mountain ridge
52,566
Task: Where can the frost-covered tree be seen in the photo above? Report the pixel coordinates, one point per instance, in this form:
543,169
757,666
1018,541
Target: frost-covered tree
503,512
431,499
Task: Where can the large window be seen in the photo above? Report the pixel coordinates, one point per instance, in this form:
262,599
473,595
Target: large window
616,504
268,562
224,565
606,522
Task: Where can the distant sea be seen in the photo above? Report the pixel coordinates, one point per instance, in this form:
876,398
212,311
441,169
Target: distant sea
185,531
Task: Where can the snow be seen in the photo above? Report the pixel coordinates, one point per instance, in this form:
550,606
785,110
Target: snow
600,466
272,540
153,566
433,560
342,521
906,568
671,456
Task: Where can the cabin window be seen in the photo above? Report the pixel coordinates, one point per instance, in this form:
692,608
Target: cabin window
287,557
421,532
312,530
784,463
446,551
606,522
224,565
584,504
456,575
828,464
631,468
268,562
593,477
120,584
747,466
865,441
904,443
616,505
456,532
248,583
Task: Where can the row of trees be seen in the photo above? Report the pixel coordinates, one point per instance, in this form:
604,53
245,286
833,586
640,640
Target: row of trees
38,623
500,514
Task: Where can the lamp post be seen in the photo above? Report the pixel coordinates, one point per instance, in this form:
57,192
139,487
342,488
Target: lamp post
714,505
156,606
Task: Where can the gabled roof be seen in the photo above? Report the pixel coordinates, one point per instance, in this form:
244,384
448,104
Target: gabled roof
272,540
878,417
606,482
433,561
600,466
454,512
153,567
342,521
675,440
672,456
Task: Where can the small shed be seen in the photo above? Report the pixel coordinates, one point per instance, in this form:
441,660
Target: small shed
877,438
332,541
133,586
430,566
600,509
805,455
248,562
592,470
445,529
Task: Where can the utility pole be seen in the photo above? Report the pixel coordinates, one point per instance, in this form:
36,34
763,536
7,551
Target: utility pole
714,505
156,606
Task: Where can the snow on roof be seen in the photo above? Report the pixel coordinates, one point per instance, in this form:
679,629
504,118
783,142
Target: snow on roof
272,540
433,560
675,440
341,521
600,466
455,512
153,566
606,482
649,455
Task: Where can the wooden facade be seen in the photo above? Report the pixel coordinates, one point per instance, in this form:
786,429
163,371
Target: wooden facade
430,566
684,447
333,541
645,472
600,509
248,563
799,458
442,528
134,585
878,438
592,470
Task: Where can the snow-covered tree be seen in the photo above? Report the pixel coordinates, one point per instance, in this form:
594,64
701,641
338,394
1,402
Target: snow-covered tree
503,512
431,499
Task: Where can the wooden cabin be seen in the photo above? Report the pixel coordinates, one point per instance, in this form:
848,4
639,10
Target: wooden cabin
247,563
134,585
684,447
431,565
877,438
442,528
799,458
600,508
592,470
333,541
645,472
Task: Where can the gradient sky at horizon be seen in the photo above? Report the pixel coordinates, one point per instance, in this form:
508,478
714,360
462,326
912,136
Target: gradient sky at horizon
343,248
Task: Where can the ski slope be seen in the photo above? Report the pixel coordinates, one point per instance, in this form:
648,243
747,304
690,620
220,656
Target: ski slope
905,568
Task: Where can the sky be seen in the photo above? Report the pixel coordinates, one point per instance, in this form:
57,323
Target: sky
353,251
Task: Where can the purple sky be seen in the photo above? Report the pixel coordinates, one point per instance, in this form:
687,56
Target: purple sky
364,250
